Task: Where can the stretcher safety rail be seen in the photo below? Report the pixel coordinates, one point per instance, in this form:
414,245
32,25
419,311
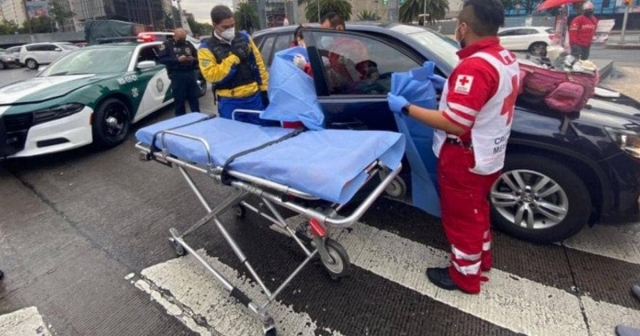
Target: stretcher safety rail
265,162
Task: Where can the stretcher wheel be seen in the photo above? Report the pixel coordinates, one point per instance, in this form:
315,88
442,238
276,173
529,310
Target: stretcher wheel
397,188
340,266
177,248
240,210
270,332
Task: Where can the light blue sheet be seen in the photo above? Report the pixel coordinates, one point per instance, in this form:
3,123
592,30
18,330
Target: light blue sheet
419,88
327,164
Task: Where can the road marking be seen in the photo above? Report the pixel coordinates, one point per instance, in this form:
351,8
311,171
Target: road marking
617,242
195,292
512,302
24,322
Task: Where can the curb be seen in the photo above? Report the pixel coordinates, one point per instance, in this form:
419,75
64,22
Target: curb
606,70
630,46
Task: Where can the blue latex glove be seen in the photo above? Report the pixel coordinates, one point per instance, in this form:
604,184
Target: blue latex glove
396,103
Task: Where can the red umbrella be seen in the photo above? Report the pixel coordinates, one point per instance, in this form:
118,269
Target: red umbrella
555,3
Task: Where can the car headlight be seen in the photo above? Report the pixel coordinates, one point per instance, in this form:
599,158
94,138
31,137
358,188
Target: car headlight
56,112
628,141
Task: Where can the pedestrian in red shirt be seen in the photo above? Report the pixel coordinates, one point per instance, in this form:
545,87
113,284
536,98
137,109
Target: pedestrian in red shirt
472,125
581,32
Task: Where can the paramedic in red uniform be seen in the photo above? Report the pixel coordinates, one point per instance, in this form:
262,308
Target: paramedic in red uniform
472,125
581,32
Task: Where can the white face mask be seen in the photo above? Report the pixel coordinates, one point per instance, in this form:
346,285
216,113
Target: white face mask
229,34
325,41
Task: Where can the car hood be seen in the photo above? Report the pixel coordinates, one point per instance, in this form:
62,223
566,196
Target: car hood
612,102
40,89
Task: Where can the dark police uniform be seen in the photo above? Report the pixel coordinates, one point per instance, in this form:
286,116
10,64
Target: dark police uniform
182,74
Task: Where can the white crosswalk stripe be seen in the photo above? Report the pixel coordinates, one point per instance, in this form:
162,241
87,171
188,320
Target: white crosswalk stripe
24,322
618,242
191,285
512,302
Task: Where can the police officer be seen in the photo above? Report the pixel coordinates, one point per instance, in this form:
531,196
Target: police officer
472,125
181,59
232,62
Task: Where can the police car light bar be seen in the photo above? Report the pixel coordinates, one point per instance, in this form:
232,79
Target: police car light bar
116,39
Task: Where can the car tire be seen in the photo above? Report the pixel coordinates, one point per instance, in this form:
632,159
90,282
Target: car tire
111,122
550,201
538,49
2,66
31,63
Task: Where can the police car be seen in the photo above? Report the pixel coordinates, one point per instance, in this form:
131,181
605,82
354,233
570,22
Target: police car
91,95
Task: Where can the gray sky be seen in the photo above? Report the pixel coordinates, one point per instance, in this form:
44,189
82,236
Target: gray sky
202,8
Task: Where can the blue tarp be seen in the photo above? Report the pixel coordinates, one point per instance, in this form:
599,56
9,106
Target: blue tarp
328,164
419,88
292,94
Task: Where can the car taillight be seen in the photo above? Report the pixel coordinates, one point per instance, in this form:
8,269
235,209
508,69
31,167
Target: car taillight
552,37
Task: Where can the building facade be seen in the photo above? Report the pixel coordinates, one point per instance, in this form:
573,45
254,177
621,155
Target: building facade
13,10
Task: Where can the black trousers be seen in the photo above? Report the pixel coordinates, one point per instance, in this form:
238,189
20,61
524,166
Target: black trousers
185,88
580,52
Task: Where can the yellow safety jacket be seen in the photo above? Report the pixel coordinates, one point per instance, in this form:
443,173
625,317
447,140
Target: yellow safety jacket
231,77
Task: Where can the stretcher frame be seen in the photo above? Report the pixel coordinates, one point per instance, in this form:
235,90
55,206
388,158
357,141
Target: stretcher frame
313,240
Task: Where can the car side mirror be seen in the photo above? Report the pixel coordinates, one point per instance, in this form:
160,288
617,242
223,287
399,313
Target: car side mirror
145,65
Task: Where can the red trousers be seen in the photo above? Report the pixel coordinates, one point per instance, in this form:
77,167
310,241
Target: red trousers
465,215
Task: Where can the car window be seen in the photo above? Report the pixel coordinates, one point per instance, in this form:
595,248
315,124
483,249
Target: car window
283,42
509,32
149,53
355,64
48,47
90,61
528,31
266,50
13,50
550,31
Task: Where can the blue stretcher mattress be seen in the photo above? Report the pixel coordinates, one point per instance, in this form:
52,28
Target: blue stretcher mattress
328,164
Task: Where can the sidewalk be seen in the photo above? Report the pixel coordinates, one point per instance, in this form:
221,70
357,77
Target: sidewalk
626,81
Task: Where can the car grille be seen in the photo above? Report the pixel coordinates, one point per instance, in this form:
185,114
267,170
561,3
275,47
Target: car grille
18,122
13,132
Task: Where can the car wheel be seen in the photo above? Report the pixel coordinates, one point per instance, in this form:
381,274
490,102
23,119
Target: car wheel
111,123
31,64
538,49
539,200
2,66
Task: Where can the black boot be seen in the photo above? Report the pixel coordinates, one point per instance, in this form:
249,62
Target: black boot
440,277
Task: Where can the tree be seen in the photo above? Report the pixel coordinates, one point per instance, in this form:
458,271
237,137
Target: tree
59,13
342,7
8,27
246,17
368,16
42,24
411,9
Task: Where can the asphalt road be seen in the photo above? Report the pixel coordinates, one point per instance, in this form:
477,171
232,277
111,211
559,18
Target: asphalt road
83,243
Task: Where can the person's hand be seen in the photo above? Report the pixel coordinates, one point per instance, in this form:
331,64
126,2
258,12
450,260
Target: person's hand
182,58
299,61
265,98
396,103
240,47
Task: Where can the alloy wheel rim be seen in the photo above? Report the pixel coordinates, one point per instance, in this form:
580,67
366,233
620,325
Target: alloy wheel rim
529,199
114,120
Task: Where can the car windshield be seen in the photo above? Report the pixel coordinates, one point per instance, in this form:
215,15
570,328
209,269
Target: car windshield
444,47
91,61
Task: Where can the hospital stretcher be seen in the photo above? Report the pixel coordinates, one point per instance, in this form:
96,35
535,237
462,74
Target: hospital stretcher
313,173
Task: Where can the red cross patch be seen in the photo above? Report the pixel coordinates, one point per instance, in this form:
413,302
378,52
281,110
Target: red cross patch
463,84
